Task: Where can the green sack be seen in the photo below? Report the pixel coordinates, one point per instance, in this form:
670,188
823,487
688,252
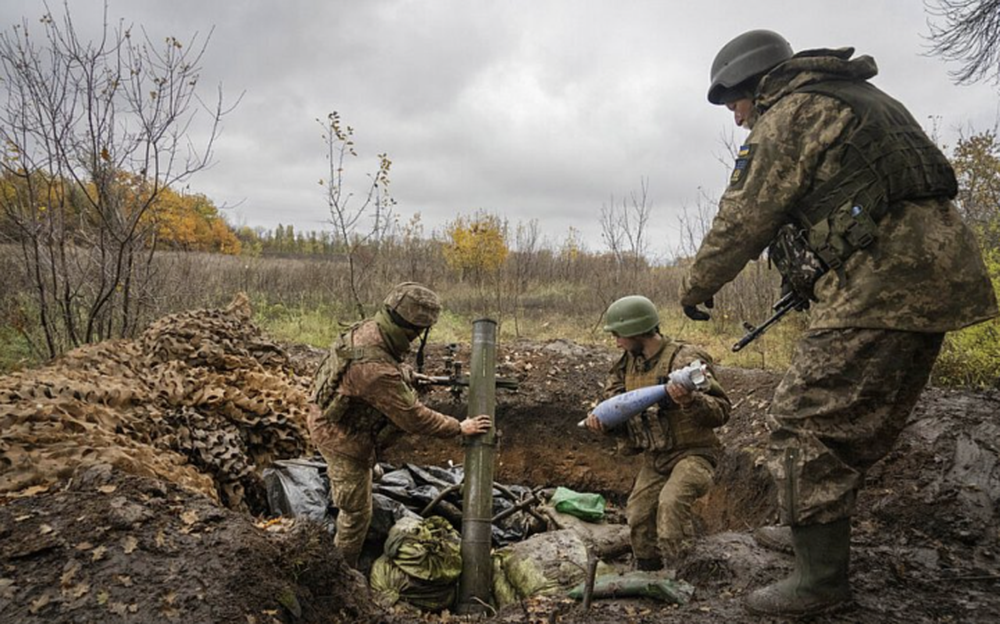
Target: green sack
589,507
430,550
391,585
646,584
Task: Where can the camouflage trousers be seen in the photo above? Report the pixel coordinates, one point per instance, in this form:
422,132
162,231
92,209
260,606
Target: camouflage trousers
351,493
659,508
839,409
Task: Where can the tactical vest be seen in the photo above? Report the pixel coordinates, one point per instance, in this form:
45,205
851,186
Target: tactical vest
665,426
326,382
887,159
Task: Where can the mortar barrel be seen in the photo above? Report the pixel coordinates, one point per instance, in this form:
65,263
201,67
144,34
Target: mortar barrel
474,590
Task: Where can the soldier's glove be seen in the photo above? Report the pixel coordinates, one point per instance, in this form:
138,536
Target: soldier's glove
696,314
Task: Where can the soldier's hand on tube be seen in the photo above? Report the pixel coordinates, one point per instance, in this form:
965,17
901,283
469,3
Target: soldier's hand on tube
681,395
476,425
594,424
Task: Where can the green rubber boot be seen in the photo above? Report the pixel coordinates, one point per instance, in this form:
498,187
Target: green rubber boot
818,583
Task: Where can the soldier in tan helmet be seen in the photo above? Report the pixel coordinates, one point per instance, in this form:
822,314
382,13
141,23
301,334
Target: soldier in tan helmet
362,395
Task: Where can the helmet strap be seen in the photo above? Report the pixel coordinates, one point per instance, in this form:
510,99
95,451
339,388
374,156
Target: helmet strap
420,350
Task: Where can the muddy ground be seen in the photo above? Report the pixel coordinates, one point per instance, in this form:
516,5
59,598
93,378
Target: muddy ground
104,546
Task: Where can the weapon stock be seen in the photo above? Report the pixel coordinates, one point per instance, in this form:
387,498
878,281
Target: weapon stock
786,304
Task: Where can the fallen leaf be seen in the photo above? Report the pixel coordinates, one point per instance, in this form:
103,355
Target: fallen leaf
130,544
98,553
124,580
45,529
69,571
7,588
189,517
77,591
107,489
38,604
132,608
22,518
84,546
160,539
118,608
31,491
102,597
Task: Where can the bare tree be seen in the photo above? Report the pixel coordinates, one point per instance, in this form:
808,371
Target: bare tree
521,266
624,231
361,241
968,32
91,133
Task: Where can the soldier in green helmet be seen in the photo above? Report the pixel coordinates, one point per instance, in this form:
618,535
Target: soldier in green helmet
679,447
362,398
853,201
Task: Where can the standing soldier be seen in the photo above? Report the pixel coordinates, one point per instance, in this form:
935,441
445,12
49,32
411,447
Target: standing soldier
680,450
362,395
855,202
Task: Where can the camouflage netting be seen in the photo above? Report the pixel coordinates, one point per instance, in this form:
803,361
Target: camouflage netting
201,399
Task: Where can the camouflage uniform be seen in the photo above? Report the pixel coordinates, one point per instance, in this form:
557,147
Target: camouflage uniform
363,412
680,450
878,322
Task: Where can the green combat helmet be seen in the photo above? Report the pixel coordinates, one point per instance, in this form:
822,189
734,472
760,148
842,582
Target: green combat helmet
748,55
414,304
631,316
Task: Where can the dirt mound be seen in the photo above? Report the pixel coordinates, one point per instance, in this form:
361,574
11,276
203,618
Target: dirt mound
200,399
116,547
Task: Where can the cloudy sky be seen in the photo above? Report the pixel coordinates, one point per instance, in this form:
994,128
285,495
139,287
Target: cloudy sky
530,109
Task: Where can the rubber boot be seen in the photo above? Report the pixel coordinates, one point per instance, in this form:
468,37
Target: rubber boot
776,538
818,583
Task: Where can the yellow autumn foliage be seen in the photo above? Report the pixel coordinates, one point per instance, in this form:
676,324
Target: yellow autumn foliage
476,244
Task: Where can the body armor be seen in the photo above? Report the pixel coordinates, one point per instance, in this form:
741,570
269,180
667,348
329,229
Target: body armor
887,159
665,426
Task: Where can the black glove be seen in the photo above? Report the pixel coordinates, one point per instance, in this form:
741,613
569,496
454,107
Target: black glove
693,313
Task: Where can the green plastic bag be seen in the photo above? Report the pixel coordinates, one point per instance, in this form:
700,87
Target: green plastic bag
589,507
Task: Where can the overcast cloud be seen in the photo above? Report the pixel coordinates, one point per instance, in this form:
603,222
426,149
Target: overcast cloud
528,109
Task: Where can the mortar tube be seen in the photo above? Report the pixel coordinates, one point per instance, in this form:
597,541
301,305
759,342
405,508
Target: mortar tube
475,586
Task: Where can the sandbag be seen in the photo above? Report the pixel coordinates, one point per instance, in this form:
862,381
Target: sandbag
392,585
429,549
544,564
637,584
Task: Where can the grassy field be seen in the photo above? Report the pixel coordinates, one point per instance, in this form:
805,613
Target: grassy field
301,300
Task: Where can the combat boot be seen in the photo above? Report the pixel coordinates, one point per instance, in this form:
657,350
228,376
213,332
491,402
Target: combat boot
819,581
776,538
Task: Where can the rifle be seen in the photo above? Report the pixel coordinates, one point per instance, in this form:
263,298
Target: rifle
791,301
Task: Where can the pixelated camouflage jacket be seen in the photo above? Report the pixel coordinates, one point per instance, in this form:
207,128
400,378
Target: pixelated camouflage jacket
668,430
924,272
381,401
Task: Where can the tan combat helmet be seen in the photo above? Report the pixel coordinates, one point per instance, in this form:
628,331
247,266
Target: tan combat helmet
414,304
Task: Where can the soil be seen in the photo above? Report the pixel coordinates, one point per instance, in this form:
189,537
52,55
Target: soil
109,546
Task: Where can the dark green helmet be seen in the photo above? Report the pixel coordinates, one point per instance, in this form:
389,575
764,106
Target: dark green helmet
631,316
751,54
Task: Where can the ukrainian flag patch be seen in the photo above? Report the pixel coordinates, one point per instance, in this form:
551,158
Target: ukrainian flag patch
743,158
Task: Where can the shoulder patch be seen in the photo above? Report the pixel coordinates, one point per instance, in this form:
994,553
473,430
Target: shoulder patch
743,158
